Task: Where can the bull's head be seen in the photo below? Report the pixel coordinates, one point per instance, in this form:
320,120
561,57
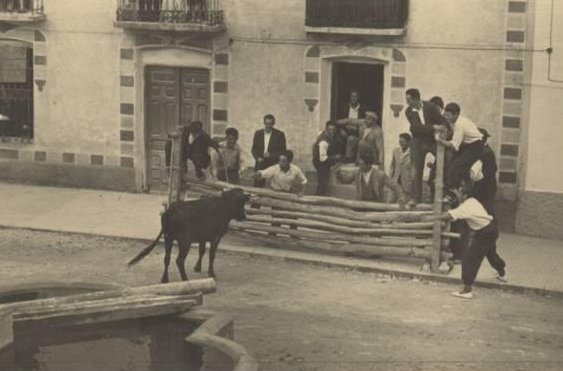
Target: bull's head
236,199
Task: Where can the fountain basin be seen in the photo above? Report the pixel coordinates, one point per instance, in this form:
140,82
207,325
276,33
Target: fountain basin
194,340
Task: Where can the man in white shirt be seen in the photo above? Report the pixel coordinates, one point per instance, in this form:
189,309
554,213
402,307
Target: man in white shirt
467,142
284,177
354,107
482,237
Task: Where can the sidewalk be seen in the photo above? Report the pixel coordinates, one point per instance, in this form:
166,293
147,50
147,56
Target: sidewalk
533,264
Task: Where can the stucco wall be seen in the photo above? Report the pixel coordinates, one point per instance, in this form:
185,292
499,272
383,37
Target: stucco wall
469,77
269,42
79,111
265,73
269,79
545,132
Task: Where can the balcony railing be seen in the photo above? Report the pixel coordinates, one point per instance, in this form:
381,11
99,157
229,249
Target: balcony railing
15,13
199,13
364,14
21,6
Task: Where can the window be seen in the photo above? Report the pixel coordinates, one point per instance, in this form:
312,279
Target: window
374,14
16,90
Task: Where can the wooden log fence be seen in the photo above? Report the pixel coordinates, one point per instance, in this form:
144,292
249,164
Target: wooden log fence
332,224
342,227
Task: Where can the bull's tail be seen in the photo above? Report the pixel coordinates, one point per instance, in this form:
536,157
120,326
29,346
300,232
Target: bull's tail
146,251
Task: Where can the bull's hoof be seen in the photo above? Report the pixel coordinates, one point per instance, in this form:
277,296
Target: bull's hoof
212,275
164,280
197,268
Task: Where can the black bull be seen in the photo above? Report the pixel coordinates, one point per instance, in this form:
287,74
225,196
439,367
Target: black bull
204,220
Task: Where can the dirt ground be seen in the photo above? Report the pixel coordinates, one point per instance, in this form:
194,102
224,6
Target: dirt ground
297,317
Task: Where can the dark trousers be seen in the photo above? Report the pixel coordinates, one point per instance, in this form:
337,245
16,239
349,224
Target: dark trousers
485,194
420,147
462,162
323,175
483,244
457,246
231,176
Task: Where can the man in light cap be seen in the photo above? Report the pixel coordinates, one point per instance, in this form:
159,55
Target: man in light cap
371,139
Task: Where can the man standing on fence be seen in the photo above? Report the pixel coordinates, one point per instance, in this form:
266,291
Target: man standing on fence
328,150
199,143
267,145
466,142
423,117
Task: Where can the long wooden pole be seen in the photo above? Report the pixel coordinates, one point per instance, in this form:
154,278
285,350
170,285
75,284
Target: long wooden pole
182,167
342,215
339,221
389,216
315,235
308,200
438,196
363,250
205,286
345,230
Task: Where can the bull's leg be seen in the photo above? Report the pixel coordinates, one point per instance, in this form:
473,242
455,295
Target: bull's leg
181,258
212,251
167,252
197,267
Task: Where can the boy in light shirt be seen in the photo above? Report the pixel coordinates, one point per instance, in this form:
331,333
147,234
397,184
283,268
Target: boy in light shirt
482,238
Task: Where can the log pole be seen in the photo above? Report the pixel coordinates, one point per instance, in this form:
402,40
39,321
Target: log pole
205,286
309,200
438,196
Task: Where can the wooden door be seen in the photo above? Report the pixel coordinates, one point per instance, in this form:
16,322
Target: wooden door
163,115
173,96
195,96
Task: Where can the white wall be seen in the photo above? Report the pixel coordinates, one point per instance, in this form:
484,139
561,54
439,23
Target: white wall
544,165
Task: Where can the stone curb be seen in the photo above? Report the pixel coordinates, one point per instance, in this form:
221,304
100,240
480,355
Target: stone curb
323,260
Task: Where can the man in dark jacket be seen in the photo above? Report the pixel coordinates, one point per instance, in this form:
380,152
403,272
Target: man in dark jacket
422,117
328,150
267,145
197,148
195,144
486,189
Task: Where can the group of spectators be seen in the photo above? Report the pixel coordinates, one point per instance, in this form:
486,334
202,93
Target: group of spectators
358,139
470,167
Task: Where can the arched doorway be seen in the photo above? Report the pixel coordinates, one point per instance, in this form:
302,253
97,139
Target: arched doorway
16,90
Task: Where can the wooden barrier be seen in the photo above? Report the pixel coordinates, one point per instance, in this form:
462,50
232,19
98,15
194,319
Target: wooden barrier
329,223
332,225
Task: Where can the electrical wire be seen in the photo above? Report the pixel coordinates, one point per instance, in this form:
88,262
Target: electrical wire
461,47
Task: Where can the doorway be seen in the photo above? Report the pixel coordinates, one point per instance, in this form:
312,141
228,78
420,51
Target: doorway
367,79
173,96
